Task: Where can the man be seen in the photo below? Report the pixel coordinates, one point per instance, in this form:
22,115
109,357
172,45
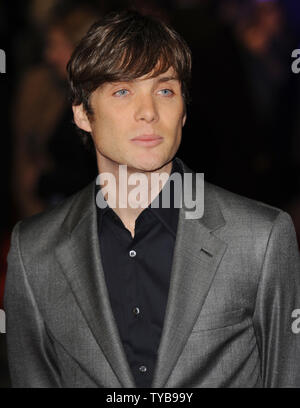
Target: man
142,296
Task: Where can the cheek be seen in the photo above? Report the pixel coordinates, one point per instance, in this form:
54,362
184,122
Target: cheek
108,128
174,122
174,113
111,116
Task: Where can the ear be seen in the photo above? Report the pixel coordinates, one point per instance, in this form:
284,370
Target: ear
80,118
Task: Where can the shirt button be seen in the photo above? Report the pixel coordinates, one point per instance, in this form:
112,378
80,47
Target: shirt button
136,311
143,369
132,253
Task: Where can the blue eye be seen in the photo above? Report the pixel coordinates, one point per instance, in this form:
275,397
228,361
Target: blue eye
166,92
121,92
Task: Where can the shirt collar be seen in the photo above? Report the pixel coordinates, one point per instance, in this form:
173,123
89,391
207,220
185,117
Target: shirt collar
167,216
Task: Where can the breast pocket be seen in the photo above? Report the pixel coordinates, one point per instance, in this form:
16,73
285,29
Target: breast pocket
213,321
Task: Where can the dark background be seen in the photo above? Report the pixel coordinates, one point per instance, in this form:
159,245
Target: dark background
243,125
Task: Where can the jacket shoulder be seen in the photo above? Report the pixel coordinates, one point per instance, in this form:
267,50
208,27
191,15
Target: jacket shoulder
250,224
242,210
43,229
238,211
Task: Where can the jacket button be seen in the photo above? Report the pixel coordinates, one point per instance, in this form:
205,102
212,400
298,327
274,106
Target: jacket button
136,311
143,369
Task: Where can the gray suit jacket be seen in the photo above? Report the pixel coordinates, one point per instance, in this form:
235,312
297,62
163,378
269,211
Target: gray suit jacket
235,283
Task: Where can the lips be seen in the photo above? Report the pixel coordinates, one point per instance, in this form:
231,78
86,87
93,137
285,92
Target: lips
147,137
147,140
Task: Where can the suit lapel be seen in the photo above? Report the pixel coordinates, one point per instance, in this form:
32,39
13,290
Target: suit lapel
197,254
79,256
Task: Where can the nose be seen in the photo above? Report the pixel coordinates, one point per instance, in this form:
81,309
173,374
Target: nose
146,109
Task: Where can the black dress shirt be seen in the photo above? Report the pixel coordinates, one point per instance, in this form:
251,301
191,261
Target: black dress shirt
137,273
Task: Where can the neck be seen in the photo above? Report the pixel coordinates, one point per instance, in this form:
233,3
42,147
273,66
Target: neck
119,195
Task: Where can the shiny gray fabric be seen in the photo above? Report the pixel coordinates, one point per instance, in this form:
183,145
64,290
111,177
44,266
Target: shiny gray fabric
235,282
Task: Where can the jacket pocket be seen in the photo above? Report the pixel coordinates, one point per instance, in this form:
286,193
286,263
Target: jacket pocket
214,321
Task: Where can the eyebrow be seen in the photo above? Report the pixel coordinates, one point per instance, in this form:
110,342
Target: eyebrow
168,78
159,80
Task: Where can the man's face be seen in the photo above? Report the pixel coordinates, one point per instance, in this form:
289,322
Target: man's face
137,123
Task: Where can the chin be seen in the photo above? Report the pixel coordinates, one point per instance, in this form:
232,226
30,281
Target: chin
148,163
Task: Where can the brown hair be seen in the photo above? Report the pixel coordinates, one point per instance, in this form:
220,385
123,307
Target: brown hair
124,46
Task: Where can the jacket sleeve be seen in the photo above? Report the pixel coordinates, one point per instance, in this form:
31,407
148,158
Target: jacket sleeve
277,308
31,356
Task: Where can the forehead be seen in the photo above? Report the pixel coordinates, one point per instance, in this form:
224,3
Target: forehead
169,74
152,76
